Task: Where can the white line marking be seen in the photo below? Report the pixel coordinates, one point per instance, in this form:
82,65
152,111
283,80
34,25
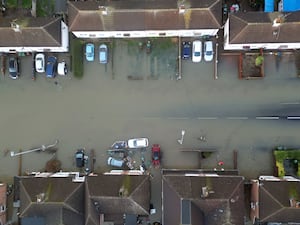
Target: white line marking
290,103
178,118
207,118
293,117
267,117
238,118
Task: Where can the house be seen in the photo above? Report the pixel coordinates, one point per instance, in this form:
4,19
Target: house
201,198
255,30
51,201
275,200
28,34
65,198
142,18
109,197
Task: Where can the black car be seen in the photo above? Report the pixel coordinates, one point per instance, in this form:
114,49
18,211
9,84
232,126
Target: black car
13,68
186,50
80,158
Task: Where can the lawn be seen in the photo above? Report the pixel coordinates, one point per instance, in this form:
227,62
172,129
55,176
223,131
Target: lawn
280,155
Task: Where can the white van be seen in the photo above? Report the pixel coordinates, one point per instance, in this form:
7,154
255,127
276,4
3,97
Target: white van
115,162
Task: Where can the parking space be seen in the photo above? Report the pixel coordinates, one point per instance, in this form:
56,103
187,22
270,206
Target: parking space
132,59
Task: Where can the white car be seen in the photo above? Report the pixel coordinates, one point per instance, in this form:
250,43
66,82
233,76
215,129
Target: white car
40,63
208,51
197,51
138,143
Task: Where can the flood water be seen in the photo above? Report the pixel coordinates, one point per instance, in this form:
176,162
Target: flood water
98,110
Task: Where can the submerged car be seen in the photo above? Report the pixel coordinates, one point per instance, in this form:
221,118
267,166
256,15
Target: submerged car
103,53
208,51
40,63
90,52
138,143
51,67
79,157
13,68
197,51
156,155
186,50
115,162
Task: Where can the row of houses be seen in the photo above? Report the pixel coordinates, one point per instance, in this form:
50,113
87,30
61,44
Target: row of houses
142,18
188,198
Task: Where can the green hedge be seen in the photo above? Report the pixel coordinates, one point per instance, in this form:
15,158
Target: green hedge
77,57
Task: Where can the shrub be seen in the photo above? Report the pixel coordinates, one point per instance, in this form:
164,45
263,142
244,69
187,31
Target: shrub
77,57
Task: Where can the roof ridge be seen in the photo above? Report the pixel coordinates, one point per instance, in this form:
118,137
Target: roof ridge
274,213
28,197
236,188
139,206
171,186
242,30
48,34
140,184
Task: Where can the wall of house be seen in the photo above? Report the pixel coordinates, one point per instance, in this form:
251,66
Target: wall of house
142,34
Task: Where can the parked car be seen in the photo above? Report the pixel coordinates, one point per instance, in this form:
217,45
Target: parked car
62,68
186,50
197,51
115,162
14,68
40,63
51,67
156,155
103,53
208,51
138,143
79,157
90,52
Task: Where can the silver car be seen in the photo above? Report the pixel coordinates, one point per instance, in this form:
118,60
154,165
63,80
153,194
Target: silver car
103,53
40,63
138,143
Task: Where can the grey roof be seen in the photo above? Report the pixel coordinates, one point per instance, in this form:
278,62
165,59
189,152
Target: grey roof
34,32
225,201
103,196
256,27
274,201
62,204
144,15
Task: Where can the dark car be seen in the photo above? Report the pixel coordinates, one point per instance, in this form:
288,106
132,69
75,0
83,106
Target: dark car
156,155
13,68
186,50
80,158
51,67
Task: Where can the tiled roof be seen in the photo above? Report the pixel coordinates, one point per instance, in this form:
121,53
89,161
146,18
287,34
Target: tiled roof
103,196
274,201
144,15
33,32
62,202
257,27
225,201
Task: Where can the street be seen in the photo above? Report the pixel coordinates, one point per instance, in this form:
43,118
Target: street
249,116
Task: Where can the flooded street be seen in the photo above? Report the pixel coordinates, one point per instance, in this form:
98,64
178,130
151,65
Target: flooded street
97,110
